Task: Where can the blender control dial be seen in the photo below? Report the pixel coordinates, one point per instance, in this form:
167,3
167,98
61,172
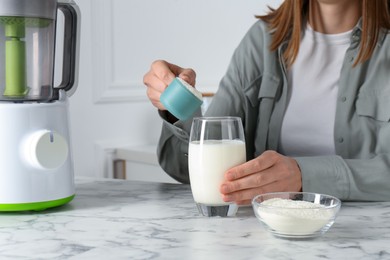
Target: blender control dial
46,149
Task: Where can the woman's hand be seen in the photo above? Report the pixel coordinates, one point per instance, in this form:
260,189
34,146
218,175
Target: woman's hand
270,172
160,75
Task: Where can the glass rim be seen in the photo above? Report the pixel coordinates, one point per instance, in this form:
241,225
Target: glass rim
217,118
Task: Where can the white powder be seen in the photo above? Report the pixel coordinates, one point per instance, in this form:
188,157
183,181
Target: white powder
291,217
191,89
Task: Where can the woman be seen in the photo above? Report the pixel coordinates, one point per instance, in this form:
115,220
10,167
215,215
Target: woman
311,83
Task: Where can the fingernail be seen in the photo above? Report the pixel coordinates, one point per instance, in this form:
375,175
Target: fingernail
227,198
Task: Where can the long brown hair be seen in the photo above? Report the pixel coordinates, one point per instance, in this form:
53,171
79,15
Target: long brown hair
286,23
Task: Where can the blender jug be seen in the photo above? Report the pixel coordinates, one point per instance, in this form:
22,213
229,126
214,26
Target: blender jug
27,49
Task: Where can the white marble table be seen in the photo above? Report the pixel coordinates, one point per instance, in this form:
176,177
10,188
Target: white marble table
142,220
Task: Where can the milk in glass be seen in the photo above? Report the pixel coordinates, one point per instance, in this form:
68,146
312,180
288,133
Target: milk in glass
208,161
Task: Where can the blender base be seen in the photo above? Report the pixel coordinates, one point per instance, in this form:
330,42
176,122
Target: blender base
36,165
35,206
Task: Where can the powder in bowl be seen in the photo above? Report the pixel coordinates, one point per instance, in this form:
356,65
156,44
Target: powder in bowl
296,218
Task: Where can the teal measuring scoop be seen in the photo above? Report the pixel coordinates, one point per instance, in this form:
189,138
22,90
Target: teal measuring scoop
181,99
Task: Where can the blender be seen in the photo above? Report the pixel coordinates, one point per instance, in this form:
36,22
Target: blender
36,165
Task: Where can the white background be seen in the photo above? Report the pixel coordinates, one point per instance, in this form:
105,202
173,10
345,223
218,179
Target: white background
119,40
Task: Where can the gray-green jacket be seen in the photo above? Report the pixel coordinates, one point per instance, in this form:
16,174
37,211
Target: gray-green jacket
255,89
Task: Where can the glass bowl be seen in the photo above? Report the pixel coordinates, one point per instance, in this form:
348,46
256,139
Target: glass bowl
296,215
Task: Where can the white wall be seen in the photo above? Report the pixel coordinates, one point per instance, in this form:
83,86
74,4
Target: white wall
119,40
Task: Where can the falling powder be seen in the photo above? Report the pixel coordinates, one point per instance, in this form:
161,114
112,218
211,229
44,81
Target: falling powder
292,217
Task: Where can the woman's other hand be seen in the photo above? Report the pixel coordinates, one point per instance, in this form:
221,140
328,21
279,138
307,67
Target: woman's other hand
270,172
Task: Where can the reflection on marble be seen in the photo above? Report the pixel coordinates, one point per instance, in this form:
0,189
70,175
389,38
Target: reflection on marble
112,219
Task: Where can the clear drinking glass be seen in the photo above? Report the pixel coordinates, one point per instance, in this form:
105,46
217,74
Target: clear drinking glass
216,145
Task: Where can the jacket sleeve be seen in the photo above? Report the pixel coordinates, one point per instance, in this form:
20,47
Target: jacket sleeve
347,179
172,149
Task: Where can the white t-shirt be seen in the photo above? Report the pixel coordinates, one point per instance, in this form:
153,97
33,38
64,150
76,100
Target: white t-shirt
307,128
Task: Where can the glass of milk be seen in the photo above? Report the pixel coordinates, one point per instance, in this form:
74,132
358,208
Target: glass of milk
216,145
